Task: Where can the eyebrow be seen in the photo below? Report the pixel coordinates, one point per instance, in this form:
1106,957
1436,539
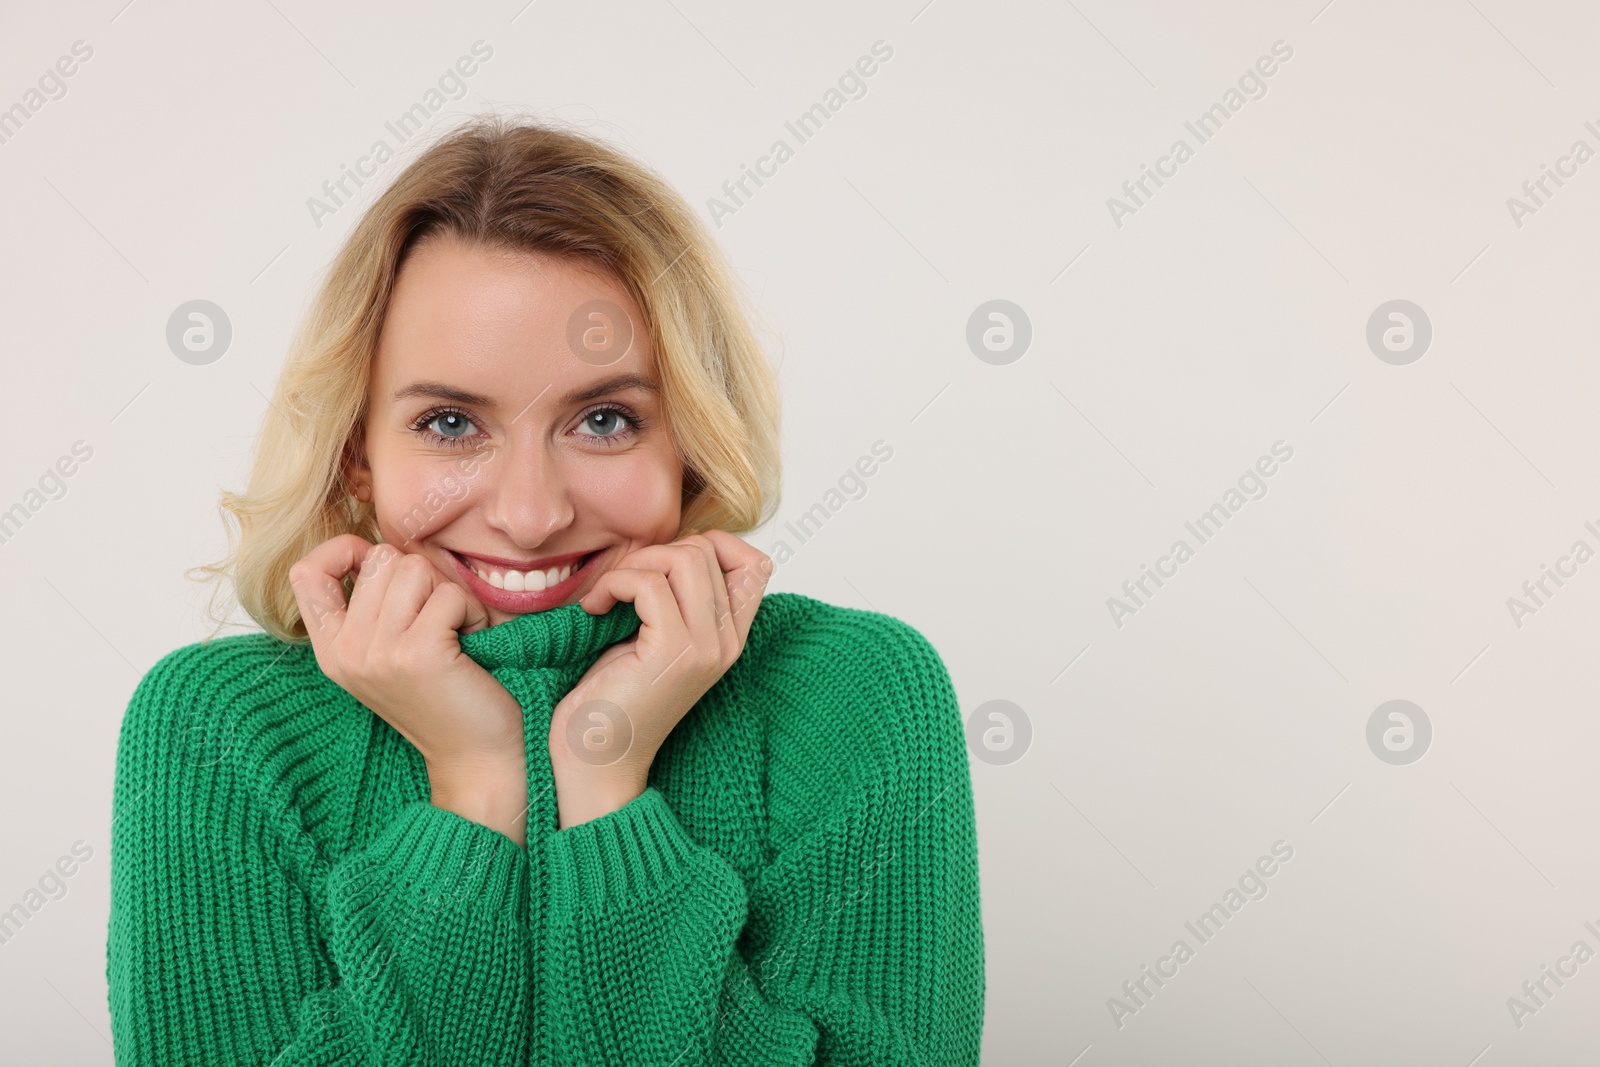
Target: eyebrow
441,391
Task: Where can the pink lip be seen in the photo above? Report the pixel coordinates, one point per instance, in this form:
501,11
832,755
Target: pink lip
524,602
524,565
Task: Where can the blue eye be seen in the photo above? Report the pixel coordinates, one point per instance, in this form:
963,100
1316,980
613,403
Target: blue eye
607,424
599,418
454,419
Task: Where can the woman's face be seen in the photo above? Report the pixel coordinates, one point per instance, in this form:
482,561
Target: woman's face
507,440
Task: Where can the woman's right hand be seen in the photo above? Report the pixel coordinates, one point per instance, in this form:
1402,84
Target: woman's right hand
395,648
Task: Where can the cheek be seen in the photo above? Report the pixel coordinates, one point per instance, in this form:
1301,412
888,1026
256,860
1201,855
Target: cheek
414,499
639,500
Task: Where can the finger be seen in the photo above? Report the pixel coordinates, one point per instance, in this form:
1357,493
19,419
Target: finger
372,583
686,571
651,594
747,570
316,579
719,592
410,583
449,609
692,572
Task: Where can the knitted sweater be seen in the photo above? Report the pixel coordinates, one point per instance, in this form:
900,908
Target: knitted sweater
798,884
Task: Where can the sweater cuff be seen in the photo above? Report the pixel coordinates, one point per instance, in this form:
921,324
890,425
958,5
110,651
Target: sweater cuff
635,851
444,857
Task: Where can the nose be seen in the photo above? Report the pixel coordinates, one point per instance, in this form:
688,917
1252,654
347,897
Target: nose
527,495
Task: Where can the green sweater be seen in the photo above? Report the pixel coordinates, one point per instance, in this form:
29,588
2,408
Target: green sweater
797,885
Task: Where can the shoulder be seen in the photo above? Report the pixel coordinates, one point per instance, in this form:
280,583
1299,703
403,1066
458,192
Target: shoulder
244,713
858,699
222,682
232,662
848,644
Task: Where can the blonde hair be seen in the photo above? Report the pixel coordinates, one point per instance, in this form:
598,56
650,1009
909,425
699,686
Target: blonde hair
527,186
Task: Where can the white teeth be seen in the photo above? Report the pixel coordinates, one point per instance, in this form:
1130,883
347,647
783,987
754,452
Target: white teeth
524,581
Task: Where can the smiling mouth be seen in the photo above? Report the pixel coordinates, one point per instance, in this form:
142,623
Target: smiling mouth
512,580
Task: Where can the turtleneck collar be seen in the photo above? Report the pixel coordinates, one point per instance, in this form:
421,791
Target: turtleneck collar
559,637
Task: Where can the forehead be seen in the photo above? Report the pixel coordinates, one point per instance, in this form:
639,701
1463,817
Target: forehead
504,320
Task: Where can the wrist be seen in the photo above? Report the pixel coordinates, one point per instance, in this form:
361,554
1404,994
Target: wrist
494,795
584,792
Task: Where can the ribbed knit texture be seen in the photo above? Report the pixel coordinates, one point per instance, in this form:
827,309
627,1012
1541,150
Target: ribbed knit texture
797,885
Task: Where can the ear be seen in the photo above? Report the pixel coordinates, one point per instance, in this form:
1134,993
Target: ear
357,473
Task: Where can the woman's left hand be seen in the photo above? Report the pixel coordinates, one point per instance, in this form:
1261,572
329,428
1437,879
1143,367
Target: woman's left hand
695,598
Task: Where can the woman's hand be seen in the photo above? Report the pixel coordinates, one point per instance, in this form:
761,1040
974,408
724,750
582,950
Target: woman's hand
695,598
395,648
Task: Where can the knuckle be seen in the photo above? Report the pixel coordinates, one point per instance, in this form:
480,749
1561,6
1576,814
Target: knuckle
746,587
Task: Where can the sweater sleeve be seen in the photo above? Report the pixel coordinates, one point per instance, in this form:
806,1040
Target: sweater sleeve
859,941
412,950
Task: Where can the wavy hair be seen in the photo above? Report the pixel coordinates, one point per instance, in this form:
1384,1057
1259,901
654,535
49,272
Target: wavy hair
520,185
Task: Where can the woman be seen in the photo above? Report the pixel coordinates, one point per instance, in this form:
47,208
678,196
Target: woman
527,768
